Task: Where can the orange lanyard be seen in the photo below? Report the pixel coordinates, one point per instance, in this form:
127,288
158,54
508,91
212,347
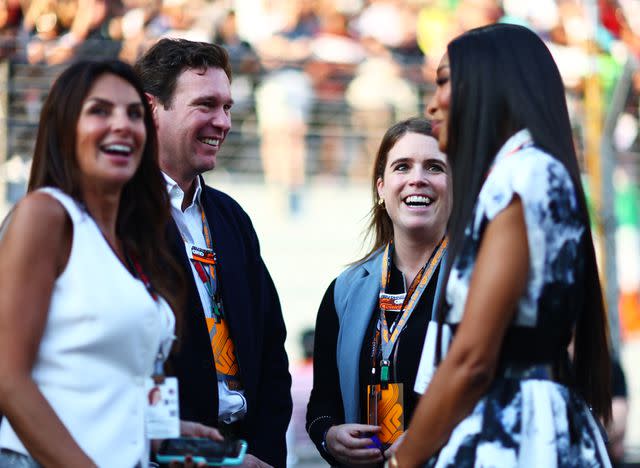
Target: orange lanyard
205,262
389,336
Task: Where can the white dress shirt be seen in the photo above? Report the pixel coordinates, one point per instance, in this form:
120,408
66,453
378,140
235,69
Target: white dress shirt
232,403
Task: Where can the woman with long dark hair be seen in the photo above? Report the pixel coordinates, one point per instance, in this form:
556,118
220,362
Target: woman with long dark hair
522,276
375,315
87,283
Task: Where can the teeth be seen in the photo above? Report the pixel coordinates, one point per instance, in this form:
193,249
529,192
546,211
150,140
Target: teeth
417,200
210,141
118,148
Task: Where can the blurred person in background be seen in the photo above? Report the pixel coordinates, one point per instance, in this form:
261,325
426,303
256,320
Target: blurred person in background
284,100
91,229
522,273
375,315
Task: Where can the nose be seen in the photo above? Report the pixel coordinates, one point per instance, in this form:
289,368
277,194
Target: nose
431,106
121,121
222,120
419,176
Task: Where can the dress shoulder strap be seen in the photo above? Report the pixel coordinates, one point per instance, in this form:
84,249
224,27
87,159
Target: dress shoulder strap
76,213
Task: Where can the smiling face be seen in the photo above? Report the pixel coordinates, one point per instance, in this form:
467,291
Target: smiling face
110,132
438,107
415,187
195,123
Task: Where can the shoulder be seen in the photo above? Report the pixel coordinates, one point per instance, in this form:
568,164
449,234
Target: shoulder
40,210
346,280
223,201
529,166
534,175
360,269
38,223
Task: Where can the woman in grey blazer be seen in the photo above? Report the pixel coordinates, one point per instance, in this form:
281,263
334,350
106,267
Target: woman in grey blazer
373,318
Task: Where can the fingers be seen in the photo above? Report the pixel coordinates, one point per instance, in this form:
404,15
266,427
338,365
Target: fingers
194,429
348,444
363,428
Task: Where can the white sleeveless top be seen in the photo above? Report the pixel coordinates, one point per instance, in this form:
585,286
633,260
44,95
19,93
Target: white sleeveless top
101,338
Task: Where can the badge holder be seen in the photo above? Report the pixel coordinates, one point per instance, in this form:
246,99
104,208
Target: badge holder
162,412
385,408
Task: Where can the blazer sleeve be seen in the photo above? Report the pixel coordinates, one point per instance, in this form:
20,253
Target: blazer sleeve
325,407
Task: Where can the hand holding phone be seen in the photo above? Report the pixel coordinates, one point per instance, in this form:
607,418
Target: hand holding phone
201,450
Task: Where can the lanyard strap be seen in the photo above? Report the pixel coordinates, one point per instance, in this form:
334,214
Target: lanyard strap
142,276
209,263
158,363
389,337
205,262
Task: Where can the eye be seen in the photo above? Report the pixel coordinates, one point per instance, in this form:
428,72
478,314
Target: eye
99,110
442,80
401,167
227,107
436,168
136,113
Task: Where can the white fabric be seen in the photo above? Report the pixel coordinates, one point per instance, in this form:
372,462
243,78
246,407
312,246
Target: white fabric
232,405
101,338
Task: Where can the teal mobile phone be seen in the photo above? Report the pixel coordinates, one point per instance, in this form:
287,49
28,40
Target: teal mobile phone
211,452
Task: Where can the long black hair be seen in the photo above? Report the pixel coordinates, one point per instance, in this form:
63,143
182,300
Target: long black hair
144,210
503,79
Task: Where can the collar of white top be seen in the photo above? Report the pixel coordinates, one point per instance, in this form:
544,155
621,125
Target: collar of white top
176,194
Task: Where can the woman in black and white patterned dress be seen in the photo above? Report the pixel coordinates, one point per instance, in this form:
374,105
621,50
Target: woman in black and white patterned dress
522,276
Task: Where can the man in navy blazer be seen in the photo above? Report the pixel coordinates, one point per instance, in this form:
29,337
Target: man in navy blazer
245,391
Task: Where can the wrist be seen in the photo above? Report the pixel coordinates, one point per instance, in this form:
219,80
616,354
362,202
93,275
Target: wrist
324,445
392,462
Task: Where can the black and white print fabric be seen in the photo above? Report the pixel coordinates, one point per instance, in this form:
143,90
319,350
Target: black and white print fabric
529,420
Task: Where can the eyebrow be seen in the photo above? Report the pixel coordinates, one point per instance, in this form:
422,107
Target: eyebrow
200,99
441,67
410,158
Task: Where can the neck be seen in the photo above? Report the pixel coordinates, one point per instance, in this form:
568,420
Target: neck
102,203
410,255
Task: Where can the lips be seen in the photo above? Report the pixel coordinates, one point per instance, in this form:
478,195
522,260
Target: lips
435,128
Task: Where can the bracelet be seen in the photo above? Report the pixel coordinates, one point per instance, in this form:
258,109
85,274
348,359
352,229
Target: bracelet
323,444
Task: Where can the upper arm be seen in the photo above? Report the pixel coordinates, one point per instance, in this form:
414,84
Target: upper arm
497,282
33,252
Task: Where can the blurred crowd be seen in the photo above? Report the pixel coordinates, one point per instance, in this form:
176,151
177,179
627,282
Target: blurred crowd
293,55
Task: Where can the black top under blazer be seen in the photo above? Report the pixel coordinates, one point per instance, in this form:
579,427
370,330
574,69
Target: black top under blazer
253,311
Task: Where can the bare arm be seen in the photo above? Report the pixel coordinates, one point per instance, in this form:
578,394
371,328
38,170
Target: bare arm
33,252
498,280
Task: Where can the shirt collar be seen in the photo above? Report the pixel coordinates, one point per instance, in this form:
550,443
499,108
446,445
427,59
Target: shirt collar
176,194
516,142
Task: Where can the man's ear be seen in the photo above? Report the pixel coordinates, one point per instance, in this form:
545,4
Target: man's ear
153,103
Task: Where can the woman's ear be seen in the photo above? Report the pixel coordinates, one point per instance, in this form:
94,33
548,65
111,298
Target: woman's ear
380,187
